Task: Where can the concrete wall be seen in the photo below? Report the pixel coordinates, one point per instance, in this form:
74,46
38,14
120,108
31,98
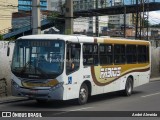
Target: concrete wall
155,62
5,63
155,58
6,13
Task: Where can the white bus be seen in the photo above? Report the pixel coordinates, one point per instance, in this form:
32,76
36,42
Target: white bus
63,67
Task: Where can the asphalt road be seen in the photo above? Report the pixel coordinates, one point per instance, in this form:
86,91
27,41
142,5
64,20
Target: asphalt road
144,98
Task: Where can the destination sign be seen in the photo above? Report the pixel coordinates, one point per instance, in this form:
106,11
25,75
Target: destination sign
35,43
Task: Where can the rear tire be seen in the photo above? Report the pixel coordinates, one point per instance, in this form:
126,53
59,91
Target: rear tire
83,94
128,87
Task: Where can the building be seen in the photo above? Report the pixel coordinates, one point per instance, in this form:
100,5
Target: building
116,21
6,10
87,25
81,25
25,5
23,17
7,7
55,5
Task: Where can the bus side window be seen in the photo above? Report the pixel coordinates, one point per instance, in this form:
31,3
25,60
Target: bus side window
105,54
142,54
72,57
131,54
119,54
90,54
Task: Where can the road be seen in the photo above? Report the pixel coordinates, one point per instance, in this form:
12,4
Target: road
144,98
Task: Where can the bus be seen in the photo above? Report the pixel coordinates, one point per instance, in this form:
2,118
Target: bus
64,67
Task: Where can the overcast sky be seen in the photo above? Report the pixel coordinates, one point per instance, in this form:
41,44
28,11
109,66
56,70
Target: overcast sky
154,17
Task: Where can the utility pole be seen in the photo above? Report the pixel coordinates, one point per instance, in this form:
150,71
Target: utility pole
124,21
90,27
137,21
69,17
60,7
97,21
31,16
36,18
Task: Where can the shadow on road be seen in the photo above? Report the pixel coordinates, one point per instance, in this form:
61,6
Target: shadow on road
32,104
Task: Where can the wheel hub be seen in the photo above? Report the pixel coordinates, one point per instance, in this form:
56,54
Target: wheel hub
83,94
129,88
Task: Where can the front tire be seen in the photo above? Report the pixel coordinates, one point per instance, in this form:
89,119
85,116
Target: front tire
83,94
128,87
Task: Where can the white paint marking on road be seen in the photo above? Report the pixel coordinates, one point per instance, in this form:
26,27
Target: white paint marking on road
81,109
73,110
151,94
61,113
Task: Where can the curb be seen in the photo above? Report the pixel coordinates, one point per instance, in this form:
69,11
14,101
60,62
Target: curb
154,79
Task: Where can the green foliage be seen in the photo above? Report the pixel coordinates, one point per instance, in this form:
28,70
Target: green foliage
53,16
1,37
156,25
57,20
146,23
8,39
11,39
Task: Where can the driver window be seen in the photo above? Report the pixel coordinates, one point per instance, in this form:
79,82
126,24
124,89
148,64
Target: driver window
72,57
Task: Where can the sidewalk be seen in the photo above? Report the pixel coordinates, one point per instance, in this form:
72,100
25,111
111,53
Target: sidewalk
155,79
9,99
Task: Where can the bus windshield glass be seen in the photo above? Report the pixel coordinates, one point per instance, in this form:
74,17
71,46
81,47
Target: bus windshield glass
38,58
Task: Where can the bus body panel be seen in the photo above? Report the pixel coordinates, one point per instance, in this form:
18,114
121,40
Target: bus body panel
114,80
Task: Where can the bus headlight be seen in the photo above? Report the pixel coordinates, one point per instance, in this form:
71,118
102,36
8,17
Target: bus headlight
52,83
57,86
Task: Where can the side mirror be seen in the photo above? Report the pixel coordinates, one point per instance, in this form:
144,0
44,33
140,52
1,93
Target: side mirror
8,51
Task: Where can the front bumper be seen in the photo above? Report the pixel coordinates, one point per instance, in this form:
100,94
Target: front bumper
48,93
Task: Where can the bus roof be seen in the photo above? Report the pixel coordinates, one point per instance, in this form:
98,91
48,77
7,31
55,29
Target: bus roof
84,39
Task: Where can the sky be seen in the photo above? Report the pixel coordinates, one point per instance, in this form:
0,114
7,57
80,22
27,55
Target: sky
154,17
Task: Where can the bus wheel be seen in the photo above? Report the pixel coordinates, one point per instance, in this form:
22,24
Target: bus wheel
83,94
128,87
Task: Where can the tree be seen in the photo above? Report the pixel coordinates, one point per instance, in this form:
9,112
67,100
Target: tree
156,25
57,20
146,23
53,16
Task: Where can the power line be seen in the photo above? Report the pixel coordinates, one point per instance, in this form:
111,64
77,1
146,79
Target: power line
154,21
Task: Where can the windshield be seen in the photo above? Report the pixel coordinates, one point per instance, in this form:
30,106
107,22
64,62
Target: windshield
38,58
